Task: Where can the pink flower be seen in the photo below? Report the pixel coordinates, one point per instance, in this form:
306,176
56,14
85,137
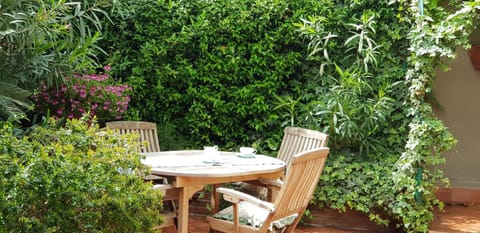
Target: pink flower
97,93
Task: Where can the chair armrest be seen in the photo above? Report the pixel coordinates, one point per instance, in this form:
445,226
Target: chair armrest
277,183
236,197
152,177
168,191
162,188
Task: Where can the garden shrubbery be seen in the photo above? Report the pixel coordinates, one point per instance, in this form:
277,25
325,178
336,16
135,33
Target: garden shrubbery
67,179
63,176
44,41
210,71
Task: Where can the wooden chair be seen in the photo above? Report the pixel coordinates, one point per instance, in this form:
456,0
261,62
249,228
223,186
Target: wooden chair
297,139
294,140
295,194
147,132
148,137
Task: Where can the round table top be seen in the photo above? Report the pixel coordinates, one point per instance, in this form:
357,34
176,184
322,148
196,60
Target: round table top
197,163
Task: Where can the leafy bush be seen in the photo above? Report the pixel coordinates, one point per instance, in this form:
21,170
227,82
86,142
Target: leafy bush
352,182
96,94
67,180
44,41
359,100
210,69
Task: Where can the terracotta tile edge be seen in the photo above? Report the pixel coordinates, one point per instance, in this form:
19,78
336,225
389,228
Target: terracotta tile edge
463,196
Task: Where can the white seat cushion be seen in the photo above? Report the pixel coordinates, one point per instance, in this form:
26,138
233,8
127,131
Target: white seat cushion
253,215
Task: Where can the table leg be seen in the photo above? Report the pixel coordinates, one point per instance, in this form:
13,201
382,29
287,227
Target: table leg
183,203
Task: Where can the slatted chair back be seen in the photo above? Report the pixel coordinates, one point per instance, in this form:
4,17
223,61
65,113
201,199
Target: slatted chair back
297,139
300,183
147,132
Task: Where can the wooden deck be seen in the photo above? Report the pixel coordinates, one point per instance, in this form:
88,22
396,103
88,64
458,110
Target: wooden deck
455,219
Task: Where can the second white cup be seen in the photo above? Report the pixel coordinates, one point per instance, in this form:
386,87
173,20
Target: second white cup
210,150
247,150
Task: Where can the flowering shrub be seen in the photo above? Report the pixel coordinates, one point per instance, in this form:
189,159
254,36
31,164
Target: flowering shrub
93,93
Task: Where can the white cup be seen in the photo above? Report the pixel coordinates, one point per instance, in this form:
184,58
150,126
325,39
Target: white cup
210,150
247,150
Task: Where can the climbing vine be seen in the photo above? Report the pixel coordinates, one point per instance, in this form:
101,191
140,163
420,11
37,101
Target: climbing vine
434,37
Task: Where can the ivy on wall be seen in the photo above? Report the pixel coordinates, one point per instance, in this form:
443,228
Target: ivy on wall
435,35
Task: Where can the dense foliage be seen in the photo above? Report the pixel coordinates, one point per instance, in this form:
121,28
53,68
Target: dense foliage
407,195
357,100
360,105
210,70
44,41
68,180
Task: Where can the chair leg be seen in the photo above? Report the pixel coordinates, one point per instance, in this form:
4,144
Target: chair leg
270,195
175,210
175,223
215,198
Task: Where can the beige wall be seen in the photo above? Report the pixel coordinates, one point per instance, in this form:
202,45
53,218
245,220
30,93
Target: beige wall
458,91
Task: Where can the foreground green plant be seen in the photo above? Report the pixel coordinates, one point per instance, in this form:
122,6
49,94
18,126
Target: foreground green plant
70,180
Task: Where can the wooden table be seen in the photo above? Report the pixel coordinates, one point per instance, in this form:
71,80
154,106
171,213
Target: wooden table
191,170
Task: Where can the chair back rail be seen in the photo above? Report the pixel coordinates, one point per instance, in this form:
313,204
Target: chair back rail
297,139
147,132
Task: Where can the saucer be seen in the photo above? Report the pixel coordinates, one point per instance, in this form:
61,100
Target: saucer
246,156
214,162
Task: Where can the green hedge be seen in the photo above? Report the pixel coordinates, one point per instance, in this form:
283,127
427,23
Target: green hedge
68,180
210,70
